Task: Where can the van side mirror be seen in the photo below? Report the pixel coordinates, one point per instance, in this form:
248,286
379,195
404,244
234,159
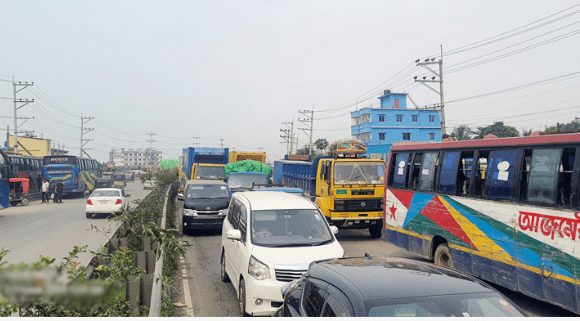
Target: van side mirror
334,229
234,235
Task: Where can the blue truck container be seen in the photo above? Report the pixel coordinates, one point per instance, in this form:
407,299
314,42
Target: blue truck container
203,155
298,174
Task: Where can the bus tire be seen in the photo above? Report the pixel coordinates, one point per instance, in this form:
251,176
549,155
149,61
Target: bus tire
443,256
375,231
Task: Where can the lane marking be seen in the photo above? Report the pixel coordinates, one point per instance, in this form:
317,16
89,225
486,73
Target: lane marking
186,293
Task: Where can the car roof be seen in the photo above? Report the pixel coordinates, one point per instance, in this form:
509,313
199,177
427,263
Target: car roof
205,182
370,279
262,200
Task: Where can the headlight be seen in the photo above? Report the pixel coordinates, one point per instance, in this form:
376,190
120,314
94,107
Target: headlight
223,212
339,205
189,212
258,270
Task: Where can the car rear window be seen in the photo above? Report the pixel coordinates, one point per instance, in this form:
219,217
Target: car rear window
110,193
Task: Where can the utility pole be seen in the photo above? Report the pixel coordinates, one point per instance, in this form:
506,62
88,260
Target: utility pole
150,140
288,137
196,142
222,142
304,121
424,81
84,130
16,107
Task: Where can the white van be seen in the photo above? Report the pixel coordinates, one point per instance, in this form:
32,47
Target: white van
268,240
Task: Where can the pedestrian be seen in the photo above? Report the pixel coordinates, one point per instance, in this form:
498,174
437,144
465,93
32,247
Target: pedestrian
59,188
53,191
44,189
39,182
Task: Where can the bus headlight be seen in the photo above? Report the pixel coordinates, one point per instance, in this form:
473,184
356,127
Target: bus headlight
257,269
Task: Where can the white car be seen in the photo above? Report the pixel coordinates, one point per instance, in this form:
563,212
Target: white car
107,201
149,184
268,240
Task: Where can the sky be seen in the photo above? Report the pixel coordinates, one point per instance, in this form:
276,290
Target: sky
235,73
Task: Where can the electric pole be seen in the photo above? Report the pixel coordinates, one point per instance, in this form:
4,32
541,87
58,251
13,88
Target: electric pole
221,142
196,142
288,137
84,131
150,140
439,74
305,121
16,107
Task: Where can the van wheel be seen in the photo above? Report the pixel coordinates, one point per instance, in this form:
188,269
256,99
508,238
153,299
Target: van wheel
242,298
443,256
375,231
223,273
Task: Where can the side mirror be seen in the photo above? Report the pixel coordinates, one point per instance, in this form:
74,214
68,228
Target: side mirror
180,197
234,235
334,229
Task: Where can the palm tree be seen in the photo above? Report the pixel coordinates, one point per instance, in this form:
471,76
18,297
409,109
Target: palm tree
462,132
526,132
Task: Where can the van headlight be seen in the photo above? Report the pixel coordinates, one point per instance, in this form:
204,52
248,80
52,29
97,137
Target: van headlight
189,212
258,270
223,212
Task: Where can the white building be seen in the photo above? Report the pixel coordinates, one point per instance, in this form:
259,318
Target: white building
142,158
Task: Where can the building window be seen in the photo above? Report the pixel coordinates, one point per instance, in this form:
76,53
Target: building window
381,118
406,136
415,118
381,136
431,118
366,118
431,136
399,118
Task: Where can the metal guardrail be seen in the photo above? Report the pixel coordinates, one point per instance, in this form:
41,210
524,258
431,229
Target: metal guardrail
157,290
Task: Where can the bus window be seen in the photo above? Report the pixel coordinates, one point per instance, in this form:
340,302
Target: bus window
525,175
500,174
416,170
479,173
565,176
449,166
400,171
464,173
428,169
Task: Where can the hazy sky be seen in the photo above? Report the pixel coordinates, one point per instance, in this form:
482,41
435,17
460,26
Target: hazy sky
236,70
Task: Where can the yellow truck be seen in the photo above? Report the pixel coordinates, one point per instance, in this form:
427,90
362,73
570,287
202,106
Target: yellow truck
240,156
347,186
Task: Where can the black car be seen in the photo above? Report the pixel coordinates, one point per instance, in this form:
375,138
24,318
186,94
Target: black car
205,204
390,287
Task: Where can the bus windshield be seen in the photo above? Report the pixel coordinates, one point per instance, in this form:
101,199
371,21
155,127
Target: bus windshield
358,172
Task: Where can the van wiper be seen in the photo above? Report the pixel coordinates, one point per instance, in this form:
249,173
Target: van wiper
291,245
321,243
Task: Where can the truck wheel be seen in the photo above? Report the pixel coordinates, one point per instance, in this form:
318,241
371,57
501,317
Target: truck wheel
375,231
443,256
25,201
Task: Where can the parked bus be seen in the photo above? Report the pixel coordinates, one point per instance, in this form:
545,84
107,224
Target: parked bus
505,210
26,167
4,181
78,173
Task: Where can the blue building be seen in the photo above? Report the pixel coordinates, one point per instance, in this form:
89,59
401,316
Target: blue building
393,122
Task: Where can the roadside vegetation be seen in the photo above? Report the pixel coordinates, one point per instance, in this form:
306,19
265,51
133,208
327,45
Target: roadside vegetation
69,289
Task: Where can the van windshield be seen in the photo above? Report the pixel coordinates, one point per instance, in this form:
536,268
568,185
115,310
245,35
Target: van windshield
207,191
286,228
